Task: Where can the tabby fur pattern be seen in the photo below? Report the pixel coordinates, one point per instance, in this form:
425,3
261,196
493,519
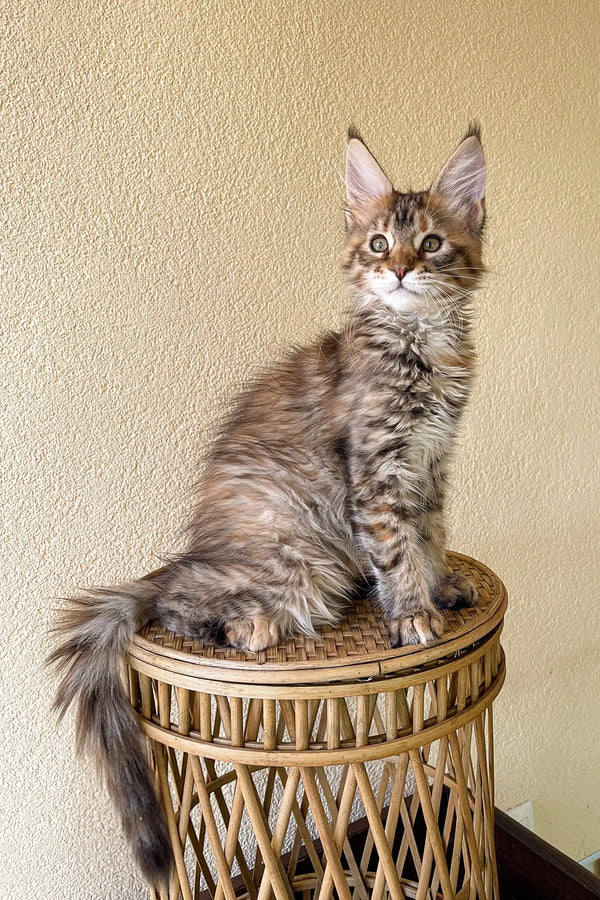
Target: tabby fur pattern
330,471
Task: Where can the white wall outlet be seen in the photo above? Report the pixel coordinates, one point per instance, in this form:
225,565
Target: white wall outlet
592,862
523,813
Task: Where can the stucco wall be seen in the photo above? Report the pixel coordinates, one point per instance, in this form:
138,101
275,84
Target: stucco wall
170,218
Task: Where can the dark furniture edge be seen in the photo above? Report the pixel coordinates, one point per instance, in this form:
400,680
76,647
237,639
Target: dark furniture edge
530,868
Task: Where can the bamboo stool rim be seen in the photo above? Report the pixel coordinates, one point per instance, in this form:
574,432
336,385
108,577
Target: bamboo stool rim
357,648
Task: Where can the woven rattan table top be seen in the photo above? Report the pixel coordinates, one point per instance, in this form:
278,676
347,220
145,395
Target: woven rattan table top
360,640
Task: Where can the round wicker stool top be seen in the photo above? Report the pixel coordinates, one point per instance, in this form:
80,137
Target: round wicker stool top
356,648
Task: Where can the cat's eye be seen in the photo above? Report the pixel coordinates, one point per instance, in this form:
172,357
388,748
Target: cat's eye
378,244
431,243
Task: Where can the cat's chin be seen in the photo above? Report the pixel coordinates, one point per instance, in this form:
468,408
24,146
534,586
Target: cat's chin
404,301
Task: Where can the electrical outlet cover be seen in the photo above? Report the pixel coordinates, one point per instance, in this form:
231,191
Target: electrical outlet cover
592,862
523,813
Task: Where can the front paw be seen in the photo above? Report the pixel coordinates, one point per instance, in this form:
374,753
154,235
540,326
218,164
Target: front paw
418,627
455,592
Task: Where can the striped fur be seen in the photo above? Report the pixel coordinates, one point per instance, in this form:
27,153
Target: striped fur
330,470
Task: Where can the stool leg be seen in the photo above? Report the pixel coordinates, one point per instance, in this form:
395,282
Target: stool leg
433,830
466,813
339,833
285,812
436,796
379,836
331,854
211,829
180,873
280,884
391,823
346,797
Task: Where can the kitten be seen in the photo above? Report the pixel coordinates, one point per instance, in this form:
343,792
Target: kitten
330,469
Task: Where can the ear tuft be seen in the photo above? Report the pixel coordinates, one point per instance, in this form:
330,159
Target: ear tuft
462,180
474,130
353,133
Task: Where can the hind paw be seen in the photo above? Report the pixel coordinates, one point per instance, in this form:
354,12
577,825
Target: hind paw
253,633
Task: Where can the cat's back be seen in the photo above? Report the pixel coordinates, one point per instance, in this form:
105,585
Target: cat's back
297,403
275,473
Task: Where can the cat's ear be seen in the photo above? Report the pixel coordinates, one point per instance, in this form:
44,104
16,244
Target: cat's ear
365,179
462,181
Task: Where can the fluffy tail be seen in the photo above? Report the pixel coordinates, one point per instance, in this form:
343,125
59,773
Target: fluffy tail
96,630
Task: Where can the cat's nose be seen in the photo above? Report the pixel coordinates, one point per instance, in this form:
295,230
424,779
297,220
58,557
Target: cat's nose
399,273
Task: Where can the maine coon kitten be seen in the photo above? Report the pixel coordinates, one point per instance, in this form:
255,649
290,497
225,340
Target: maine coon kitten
330,469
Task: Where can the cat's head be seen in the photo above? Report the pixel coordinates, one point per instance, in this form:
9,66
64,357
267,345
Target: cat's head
415,252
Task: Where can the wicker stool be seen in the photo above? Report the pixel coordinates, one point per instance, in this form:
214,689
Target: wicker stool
329,767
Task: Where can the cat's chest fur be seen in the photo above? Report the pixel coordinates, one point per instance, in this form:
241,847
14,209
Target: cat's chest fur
415,383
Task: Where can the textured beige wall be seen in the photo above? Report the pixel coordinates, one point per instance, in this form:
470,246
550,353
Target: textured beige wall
170,217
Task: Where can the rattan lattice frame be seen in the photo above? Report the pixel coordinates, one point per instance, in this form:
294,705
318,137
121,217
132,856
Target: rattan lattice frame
285,743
